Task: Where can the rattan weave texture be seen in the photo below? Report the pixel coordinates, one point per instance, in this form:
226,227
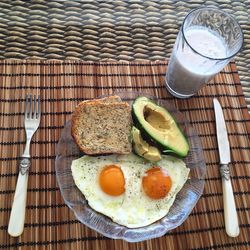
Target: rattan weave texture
101,30
49,223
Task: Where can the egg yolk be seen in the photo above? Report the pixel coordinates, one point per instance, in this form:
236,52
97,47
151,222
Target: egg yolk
112,180
156,183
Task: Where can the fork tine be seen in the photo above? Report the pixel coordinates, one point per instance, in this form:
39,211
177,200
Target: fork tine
27,107
39,108
31,106
34,112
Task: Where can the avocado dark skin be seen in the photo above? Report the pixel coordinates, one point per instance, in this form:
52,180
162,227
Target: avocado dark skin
159,127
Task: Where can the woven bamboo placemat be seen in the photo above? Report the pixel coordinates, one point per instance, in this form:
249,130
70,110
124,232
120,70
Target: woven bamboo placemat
49,222
100,30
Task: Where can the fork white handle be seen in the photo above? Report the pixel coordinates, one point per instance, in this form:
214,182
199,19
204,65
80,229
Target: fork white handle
17,216
31,123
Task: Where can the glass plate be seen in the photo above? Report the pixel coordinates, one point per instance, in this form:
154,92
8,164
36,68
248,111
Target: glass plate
185,200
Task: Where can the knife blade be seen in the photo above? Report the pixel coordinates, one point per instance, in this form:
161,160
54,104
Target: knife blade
221,132
230,214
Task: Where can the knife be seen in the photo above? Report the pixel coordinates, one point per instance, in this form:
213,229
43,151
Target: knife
230,214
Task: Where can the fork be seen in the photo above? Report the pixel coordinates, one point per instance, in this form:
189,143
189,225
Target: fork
31,123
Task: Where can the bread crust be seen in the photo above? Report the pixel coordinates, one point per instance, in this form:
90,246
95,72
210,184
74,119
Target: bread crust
102,126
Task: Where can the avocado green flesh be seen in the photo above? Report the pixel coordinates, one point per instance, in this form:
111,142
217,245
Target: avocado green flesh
143,149
159,125
140,146
153,154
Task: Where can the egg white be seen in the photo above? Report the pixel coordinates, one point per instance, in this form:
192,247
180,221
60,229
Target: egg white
133,208
85,173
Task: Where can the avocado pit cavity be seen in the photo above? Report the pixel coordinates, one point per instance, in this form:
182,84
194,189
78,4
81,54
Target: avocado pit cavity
156,119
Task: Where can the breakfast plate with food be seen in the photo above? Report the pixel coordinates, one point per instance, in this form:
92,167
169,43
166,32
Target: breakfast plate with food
130,166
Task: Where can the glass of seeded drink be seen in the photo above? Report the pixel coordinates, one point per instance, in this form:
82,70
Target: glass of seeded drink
207,41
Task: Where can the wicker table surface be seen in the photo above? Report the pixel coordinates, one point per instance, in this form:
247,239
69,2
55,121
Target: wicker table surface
104,30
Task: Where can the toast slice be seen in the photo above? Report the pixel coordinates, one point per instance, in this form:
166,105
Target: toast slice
102,126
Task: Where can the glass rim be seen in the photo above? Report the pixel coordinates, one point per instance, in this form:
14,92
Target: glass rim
227,14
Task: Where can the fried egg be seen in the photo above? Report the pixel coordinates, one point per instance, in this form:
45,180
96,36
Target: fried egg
130,191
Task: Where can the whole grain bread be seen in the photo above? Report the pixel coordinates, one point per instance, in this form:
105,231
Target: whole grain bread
102,126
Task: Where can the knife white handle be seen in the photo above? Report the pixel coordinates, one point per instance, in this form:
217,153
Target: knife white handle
230,214
17,215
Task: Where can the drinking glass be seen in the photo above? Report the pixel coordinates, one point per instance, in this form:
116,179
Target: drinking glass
206,42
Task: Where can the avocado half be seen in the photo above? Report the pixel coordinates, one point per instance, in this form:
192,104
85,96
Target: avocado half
157,124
